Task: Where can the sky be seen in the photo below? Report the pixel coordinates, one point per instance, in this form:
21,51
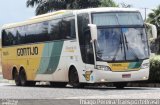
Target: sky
141,4
16,10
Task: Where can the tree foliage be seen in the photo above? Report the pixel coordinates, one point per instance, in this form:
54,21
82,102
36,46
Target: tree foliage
44,6
108,3
154,75
124,5
154,18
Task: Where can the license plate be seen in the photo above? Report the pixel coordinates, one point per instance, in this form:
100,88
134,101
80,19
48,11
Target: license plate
126,75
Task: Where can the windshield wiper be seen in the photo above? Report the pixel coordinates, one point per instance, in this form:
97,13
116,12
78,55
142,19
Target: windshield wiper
126,42
133,52
120,46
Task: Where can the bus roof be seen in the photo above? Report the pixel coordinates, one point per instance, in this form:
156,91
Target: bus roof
107,9
50,16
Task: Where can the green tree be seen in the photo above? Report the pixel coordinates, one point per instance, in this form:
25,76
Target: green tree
108,3
44,6
154,18
112,3
124,5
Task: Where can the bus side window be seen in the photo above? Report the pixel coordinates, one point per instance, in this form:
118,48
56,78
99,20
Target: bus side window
54,29
9,37
88,47
60,29
4,38
72,29
68,28
85,38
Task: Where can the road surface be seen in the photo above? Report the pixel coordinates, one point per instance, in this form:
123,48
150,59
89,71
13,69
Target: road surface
47,95
43,94
10,91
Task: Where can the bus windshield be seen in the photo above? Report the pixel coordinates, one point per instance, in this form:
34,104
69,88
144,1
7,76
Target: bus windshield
104,19
123,41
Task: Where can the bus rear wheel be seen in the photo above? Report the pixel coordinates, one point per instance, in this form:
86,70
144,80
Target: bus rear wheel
23,79
74,79
16,78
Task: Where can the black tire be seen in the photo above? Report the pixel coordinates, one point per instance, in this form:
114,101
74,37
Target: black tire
74,78
23,79
16,78
31,83
120,85
58,84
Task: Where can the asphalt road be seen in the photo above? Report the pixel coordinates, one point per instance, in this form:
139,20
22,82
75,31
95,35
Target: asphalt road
10,91
46,95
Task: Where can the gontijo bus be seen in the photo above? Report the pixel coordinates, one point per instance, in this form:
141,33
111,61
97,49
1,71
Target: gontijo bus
97,45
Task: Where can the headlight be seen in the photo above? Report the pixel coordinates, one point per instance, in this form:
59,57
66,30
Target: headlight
104,68
145,65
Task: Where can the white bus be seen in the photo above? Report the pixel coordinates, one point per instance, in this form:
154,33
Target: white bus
79,47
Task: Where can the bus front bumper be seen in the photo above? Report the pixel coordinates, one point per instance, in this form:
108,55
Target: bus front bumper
109,76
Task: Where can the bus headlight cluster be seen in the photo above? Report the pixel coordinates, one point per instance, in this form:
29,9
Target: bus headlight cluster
145,65
104,68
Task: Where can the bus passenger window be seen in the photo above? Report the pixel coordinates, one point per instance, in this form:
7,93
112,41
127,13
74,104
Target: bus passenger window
85,38
88,47
54,29
68,28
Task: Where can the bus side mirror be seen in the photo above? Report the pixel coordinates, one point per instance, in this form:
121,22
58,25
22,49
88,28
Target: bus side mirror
93,30
151,31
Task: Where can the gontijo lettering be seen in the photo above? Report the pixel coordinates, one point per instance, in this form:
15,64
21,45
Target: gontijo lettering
27,51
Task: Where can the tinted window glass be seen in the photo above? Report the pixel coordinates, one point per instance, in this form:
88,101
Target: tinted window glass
57,29
26,34
62,28
9,36
68,28
37,32
85,38
54,29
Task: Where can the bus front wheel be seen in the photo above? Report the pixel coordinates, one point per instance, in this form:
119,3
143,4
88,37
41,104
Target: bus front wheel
74,78
120,85
58,84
